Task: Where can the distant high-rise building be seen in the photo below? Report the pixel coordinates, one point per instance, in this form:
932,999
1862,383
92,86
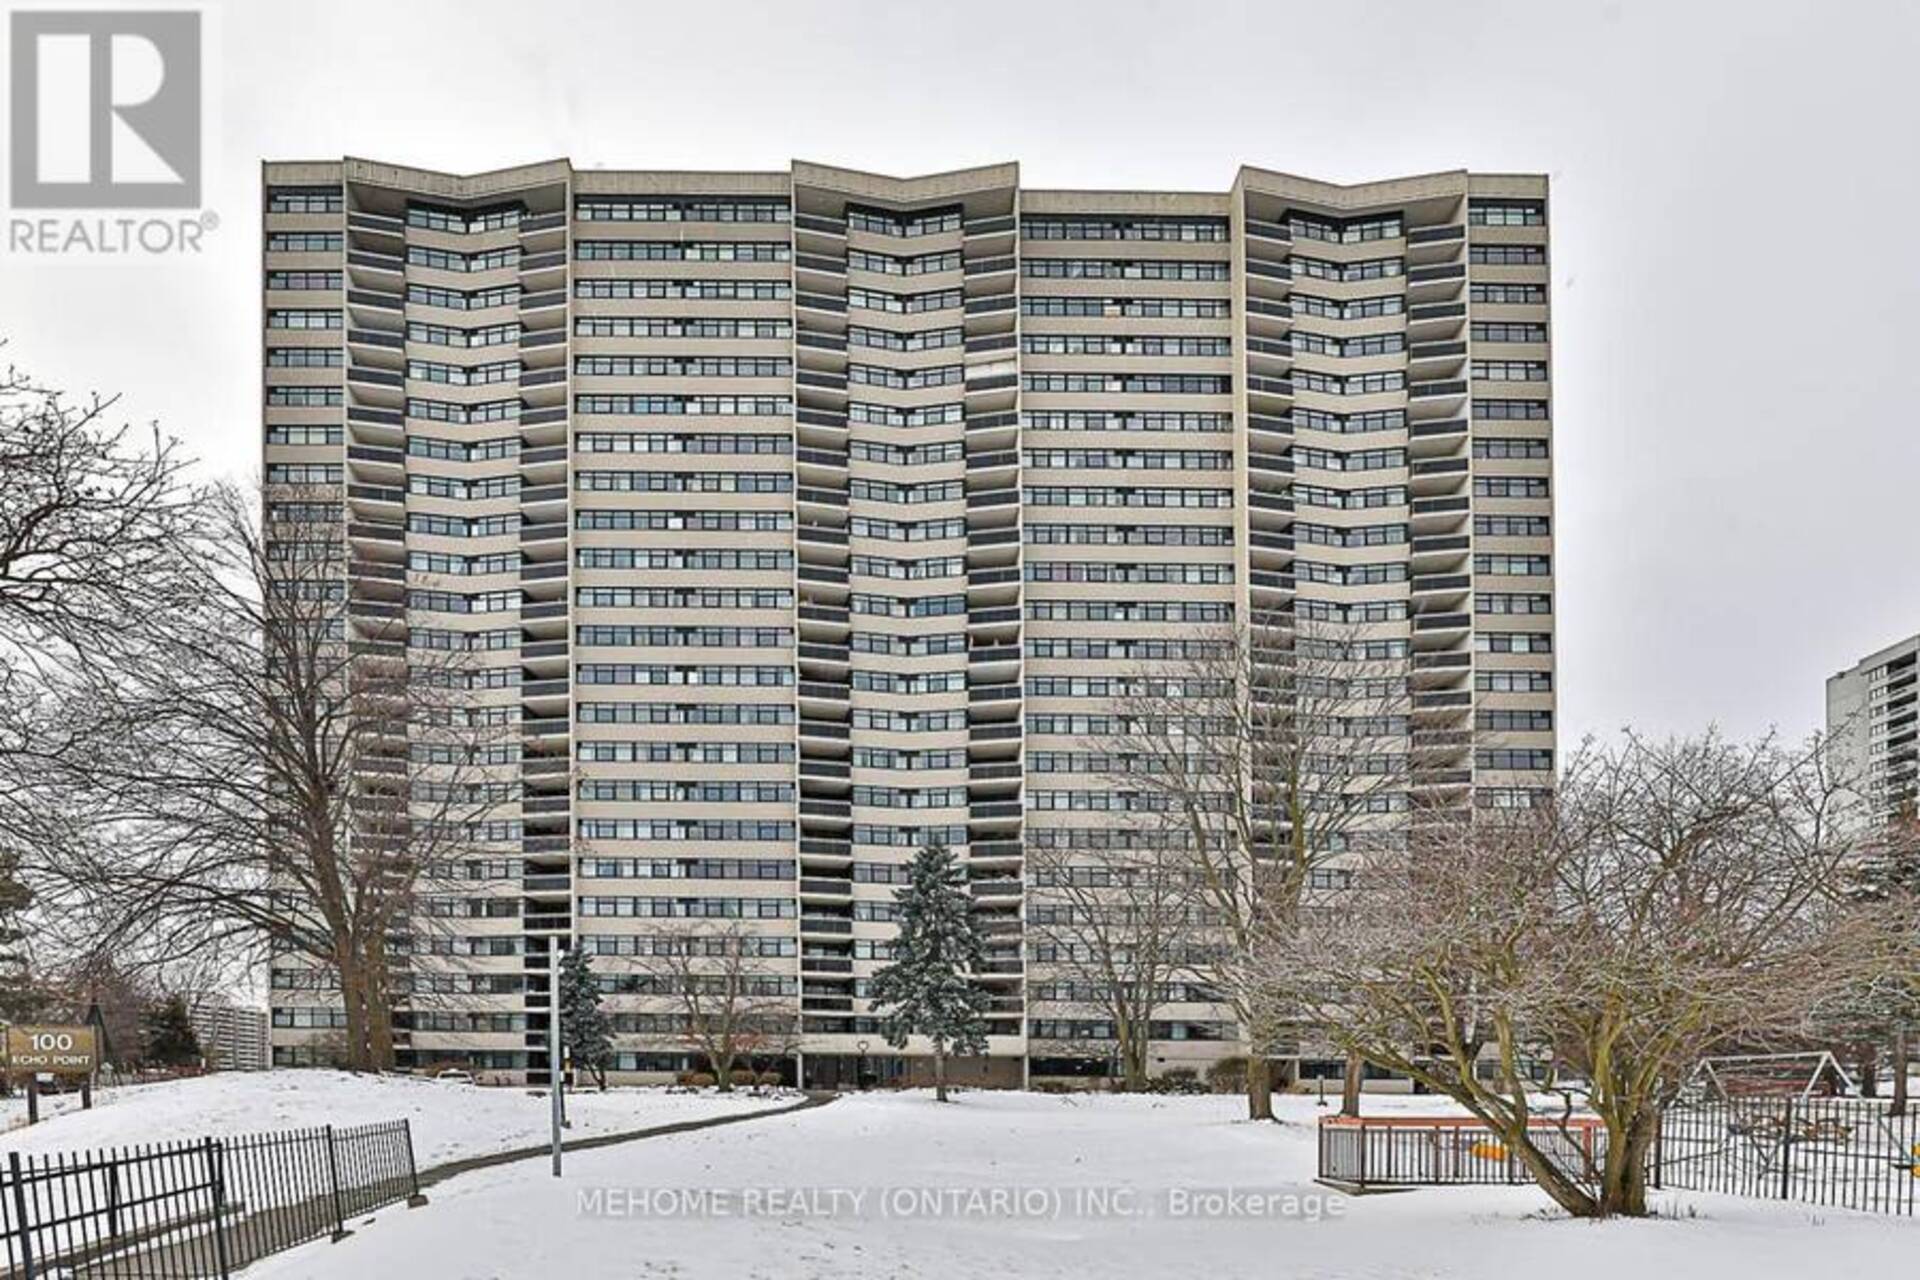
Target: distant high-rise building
811,515
1873,719
232,1037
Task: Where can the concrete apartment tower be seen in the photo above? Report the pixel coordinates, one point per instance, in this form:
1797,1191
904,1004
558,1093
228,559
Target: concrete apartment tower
812,514
1873,720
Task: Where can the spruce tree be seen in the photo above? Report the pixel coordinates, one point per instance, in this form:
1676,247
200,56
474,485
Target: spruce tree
926,990
166,1031
586,1032
20,996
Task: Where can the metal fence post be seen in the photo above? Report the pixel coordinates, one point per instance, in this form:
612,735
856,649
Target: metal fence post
1786,1153
20,1215
414,1199
216,1178
333,1176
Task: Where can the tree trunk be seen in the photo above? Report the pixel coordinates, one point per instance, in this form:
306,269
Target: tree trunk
722,1072
1564,1190
1867,1068
1350,1084
1133,1064
353,998
939,1074
1623,1190
1259,1087
1902,1052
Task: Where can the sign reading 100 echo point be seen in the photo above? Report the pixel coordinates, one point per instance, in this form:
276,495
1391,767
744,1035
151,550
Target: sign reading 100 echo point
65,1051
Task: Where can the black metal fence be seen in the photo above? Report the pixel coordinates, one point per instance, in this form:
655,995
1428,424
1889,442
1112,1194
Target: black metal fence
205,1207
1418,1151
1846,1153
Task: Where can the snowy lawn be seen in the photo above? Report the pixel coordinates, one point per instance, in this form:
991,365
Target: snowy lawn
1008,1184
450,1120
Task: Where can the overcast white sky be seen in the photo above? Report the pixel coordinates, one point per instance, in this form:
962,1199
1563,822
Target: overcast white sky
1738,461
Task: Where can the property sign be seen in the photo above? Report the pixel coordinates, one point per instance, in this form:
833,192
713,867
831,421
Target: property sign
65,1051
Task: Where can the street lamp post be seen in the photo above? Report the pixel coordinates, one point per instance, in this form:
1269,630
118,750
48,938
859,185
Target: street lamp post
860,1068
553,1046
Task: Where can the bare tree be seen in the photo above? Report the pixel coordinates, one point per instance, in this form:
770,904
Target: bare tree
264,781
730,994
1675,900
1280,752
1122,933
93,519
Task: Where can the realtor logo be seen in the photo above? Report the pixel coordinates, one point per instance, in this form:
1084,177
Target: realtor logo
105,110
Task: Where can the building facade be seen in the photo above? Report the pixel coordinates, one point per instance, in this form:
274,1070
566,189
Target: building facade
812,515
232,1037
1873,721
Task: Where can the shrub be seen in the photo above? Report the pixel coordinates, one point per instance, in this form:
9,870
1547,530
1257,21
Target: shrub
701,1079
1228,1075
739,1076
770,1078
1177,1080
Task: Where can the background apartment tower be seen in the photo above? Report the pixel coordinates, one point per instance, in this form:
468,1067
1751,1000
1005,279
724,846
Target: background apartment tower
1873,719
811,515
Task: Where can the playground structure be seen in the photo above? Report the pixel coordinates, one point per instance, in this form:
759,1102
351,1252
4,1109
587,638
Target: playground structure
1806,1075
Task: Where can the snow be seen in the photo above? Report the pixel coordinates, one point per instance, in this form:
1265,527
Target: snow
897,1185
450,1120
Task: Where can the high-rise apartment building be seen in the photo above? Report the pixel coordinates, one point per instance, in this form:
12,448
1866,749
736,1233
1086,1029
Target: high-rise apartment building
812,515
1873,721
232,1037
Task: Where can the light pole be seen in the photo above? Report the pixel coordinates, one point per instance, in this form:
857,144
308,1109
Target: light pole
553,1044
860,1068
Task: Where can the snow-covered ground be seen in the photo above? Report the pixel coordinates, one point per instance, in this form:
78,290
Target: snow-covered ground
450,1120
1018,1185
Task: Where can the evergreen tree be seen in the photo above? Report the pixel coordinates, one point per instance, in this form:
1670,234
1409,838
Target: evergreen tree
20,995
168,1035
926,991
585,1030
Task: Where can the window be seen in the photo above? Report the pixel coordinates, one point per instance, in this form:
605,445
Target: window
1509,447
1121,269
1334,231
1123,228
1513,681
1511,526
1507,255
1513,566
1510,370
305,242
303,319
680,251
1506,213
305,357
303,281
304,397
303,435
907,225
714,209
1531,721
1391,304
1526,759
464,221
306,200
1508,294
1513,642
1510,410
1496,331
1509,486
1511,602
